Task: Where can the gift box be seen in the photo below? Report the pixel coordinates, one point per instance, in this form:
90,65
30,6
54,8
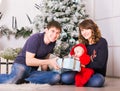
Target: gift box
68,64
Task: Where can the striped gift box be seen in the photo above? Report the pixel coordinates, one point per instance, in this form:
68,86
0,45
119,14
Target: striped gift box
68,64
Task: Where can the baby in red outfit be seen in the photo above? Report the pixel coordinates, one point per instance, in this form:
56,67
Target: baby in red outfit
79,52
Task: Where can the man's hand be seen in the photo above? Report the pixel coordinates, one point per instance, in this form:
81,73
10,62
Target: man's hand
53,63
44,67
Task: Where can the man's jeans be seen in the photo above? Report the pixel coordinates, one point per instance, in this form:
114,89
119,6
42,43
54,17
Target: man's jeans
20,72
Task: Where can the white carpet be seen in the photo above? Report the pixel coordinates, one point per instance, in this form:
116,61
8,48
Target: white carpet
23,87
111,84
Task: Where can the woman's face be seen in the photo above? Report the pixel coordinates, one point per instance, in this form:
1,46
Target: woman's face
86,33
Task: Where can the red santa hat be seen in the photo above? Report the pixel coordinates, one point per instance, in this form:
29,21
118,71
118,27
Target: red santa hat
81,45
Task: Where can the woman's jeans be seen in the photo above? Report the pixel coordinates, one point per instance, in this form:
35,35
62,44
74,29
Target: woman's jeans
97,80
21,72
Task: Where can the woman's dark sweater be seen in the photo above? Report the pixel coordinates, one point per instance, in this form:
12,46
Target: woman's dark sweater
99,56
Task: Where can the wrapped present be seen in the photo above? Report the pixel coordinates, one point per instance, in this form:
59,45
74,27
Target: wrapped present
68,64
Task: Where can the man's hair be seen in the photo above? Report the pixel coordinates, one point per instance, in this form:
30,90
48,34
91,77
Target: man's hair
55,24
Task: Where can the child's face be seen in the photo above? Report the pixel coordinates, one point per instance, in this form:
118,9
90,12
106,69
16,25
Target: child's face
78,51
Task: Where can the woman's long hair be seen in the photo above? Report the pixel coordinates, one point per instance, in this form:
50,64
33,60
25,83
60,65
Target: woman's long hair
89,24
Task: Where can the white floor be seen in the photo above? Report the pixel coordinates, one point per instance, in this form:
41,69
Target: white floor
111,84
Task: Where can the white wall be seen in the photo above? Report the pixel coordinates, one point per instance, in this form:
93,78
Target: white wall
18,9
106,13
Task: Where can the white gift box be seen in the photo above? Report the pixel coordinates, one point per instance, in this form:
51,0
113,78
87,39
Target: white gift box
68,64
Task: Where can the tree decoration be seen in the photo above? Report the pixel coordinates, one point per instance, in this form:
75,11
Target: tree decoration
69,13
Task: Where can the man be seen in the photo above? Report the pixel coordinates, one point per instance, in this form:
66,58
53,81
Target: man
36,53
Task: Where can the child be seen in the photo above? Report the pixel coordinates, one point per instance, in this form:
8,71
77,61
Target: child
79,52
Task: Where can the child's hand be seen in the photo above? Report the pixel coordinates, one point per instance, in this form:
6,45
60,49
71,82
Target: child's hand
82,65
75,57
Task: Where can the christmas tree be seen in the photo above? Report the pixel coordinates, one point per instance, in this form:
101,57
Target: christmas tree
69,13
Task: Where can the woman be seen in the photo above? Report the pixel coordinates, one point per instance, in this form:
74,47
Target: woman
97,47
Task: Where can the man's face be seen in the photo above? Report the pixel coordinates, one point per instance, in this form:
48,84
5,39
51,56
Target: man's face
53,34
